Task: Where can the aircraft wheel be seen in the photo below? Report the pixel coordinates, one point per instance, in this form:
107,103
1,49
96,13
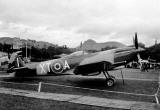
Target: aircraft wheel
110,82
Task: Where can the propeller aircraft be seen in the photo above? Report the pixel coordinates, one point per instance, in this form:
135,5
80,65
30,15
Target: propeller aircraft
82,62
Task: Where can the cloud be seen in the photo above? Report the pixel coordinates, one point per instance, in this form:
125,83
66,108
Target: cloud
72,21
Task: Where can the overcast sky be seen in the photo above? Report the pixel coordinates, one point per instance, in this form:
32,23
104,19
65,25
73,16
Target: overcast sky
72,21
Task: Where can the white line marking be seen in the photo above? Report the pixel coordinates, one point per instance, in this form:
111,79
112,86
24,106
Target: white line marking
5,76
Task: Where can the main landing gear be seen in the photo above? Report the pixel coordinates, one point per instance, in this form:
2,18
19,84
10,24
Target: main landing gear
110,80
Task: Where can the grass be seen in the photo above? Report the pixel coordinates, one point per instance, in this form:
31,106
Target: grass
138,87
95,82
11,102
111,95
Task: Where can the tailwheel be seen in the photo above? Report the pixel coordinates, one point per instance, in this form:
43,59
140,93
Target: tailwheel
110,82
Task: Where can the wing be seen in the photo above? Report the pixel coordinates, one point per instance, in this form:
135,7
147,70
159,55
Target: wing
91,68
96,63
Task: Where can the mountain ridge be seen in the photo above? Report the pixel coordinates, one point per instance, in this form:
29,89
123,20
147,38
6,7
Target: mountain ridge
91,44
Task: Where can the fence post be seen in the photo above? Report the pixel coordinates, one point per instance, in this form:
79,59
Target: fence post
157,101
39,86
122,76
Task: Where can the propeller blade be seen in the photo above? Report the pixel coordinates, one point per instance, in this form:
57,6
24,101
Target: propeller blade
136,41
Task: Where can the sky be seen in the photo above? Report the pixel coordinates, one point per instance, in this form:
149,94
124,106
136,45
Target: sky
70,22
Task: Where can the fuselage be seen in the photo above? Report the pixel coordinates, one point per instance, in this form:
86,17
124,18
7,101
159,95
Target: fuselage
90,61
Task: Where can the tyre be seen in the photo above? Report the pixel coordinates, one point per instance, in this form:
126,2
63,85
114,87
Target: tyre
110,82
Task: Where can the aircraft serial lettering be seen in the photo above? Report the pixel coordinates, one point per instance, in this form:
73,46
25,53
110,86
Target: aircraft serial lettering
56,66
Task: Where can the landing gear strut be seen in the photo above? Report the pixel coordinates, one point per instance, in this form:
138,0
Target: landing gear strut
110,80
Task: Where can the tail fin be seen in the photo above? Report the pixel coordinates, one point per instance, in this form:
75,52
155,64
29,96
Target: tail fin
15,62
135,41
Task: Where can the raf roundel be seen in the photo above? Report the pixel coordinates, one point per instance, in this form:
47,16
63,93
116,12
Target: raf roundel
57,66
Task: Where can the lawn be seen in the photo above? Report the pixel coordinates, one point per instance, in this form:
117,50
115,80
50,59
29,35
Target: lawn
11,102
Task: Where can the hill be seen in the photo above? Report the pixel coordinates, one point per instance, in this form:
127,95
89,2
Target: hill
93,45
36,50
17,42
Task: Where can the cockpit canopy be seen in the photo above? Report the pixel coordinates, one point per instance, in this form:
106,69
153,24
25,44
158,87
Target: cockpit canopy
78,53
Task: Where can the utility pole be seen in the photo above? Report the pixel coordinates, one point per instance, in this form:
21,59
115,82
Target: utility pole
81,47
26,49
30,48
30,51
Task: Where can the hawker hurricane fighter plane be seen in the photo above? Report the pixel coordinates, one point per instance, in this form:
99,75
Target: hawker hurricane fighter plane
83,63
